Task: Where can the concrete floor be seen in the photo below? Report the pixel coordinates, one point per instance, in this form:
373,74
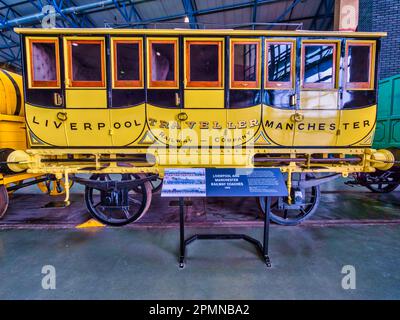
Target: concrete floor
141,263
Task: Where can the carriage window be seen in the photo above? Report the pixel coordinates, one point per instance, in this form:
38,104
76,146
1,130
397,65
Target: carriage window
319,66
44,63
163,63
359,65
86,66
204,63
280,65
244,64
127,63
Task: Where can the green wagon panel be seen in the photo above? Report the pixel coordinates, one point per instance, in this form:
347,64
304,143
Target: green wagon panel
388,124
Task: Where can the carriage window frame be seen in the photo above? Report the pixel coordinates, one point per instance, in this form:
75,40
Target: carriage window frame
236,84
219,84
370,84
126,84
331,86
79,84
163,84
279,85
46,84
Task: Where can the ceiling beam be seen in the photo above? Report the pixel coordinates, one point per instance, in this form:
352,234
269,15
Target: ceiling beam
254,19
190,9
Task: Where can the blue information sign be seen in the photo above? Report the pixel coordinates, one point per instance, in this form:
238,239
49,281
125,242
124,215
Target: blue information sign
256,182
227,182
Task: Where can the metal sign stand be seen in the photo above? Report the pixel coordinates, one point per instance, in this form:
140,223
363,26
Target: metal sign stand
262,248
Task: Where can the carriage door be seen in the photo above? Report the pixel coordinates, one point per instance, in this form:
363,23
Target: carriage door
163,98
244,112
86,116
317,119
203,117
280,90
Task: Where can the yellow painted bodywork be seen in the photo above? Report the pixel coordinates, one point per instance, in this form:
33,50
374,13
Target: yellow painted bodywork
12,123
81,97
86,127
204,98
163,126
12,132
198,32
356,126
317,99
8,98
201,132
85,98
319,128
202,127
242,126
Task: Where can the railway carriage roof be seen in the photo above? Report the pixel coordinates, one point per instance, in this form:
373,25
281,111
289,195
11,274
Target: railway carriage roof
214,32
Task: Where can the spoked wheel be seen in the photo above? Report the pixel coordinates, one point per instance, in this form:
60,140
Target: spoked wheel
4,200
13,184
384,182
53,186
118,207
156,184
304,204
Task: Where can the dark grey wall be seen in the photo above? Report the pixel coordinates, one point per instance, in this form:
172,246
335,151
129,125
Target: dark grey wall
384,15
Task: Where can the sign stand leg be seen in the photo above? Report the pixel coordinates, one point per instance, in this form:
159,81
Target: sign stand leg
182,233
262,248
266,231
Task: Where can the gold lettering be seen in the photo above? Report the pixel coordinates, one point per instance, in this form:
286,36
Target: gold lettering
191,124
216,125
253,123
204,124
242,124
164,124
231,125
152,122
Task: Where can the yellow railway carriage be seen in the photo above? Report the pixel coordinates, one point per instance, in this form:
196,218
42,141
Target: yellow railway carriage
12,123
13,141
131,102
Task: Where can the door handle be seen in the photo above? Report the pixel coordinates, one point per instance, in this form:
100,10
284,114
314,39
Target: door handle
182,116
293,99
57,99
177,99
297,117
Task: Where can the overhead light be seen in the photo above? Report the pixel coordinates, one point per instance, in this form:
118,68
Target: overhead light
75,44
186,20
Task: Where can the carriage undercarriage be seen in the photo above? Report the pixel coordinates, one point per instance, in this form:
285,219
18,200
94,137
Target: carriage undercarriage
119,183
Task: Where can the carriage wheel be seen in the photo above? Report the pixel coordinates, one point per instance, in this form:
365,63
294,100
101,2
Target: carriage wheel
293,216
53,187
381,186
4,200
156,184
13,184
118,207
